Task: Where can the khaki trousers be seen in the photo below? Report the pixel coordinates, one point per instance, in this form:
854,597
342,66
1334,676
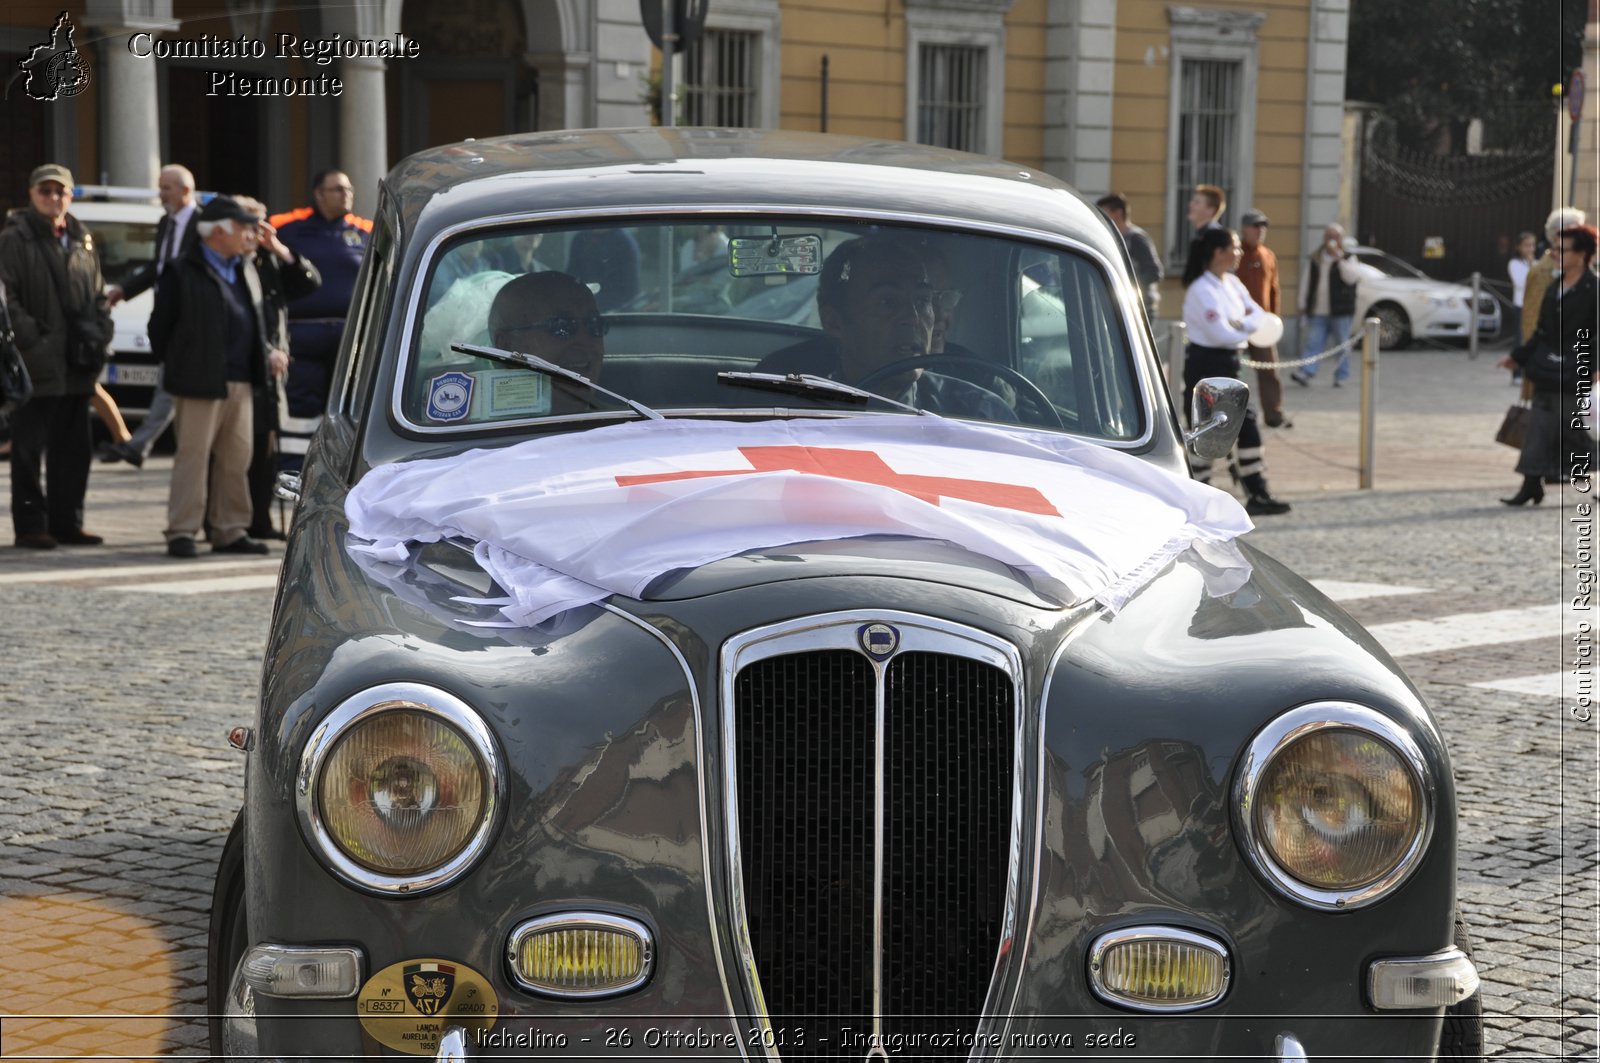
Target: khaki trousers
209,471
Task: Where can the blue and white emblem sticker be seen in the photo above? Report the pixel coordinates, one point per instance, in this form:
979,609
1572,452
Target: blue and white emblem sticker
449,397
879,640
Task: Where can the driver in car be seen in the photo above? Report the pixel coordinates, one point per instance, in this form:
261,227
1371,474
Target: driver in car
877,303
554,316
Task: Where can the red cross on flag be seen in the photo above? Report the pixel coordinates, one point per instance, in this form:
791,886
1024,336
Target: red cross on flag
569,520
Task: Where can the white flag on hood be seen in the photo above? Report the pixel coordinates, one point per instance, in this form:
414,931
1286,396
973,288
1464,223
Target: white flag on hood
562,521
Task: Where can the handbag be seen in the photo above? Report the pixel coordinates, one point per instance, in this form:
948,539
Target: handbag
16,386
88,337
1514,428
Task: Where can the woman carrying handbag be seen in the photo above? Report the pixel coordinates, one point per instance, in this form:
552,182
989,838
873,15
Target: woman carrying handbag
1559,361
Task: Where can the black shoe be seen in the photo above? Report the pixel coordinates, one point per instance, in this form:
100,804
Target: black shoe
1337,382
129,453
242,545
106,454
1531,492
79,537
1264,506
1301,379
36,540
180,546
264,533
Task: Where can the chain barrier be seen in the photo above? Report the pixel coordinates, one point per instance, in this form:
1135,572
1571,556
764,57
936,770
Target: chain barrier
1349,344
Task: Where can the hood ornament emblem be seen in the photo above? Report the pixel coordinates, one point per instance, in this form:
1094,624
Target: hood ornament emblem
879,641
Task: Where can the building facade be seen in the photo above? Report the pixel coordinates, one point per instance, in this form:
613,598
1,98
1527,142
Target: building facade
1142,97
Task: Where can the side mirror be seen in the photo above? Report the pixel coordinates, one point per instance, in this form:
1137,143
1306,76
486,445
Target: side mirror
1217,413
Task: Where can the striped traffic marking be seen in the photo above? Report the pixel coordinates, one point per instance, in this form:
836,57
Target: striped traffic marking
1404,637
264,582
167,568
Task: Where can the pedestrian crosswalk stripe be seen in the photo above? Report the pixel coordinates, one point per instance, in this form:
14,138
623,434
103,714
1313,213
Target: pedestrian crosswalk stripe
1545,686
166,568
1404,637
1344,591
265,582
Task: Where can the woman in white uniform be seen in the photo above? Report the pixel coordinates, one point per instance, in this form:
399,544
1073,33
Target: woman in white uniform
1220,316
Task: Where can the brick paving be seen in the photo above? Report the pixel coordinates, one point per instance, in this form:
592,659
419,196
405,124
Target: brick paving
116,786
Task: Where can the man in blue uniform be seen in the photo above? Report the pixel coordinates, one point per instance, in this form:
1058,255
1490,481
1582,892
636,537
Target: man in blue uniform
333,238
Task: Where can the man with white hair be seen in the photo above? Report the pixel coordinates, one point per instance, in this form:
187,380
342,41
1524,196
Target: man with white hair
210,328
1543,272
1327,304
174,234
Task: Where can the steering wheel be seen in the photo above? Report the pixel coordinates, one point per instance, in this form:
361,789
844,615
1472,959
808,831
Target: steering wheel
1039,409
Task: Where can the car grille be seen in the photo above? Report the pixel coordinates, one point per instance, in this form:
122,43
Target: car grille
806,745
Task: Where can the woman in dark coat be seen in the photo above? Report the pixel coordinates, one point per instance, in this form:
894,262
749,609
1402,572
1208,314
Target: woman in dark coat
1559,360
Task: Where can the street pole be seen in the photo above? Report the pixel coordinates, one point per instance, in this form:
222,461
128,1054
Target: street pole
1472,318
669,41
1369,397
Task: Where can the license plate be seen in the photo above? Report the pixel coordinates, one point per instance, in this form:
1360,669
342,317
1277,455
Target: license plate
139,376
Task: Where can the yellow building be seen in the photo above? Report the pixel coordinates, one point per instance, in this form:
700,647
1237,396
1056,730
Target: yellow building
1141,97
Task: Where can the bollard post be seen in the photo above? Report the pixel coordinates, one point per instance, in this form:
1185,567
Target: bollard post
1175,336
1369,398
1472,319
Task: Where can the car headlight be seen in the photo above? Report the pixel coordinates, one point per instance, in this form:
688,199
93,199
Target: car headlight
399,788
1446,302
1335,804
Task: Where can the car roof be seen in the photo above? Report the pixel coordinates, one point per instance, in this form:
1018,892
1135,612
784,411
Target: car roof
633,170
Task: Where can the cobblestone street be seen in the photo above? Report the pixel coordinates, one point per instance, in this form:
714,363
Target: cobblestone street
125,671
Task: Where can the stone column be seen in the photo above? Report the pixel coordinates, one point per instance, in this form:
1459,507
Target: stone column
363,130
130,116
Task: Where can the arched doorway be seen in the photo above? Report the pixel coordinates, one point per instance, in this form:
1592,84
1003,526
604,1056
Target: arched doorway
469,79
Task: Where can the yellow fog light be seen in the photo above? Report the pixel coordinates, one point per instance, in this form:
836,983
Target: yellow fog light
1158,968
581,954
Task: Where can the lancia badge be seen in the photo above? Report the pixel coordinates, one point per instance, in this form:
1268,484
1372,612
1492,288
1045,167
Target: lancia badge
879,640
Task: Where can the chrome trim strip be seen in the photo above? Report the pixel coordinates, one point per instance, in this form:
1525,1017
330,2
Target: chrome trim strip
1451,963
1107,941
838,630
880,715
1133,329
620,924
1024,943
1287,1047
1278,735
717,944
361,706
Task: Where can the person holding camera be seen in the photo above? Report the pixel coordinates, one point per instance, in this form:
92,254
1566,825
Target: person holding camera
1327,304
63,328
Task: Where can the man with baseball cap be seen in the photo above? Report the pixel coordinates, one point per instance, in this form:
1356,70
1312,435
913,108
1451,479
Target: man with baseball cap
63,328
1258,272
210,329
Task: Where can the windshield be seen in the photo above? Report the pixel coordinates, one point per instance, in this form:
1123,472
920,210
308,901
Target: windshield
963,325
1391,266
124,246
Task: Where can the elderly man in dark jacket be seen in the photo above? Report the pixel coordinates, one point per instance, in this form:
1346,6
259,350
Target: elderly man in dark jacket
63,327
212,329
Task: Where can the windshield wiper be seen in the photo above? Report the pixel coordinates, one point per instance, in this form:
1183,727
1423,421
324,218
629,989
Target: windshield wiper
807,384
541,365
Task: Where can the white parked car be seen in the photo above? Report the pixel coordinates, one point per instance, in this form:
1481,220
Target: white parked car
123,221
1411,305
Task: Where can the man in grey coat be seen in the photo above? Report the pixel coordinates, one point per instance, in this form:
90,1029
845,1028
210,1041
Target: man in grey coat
63,328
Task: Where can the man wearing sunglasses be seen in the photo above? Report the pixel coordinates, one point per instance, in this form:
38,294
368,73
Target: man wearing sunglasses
553,316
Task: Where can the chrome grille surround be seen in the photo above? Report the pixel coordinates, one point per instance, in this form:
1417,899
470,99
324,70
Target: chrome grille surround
836,633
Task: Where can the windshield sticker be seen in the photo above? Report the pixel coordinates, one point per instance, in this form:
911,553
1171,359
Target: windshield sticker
765,256
449,397
514,392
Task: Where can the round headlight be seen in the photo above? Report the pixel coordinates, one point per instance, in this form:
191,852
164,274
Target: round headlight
399,788
1336,804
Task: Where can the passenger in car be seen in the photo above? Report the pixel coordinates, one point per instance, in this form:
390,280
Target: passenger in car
554,316
878,306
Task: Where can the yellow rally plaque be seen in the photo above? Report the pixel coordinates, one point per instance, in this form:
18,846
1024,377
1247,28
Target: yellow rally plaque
407,1006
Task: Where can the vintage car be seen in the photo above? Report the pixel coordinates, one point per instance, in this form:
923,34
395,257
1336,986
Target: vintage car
669,681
